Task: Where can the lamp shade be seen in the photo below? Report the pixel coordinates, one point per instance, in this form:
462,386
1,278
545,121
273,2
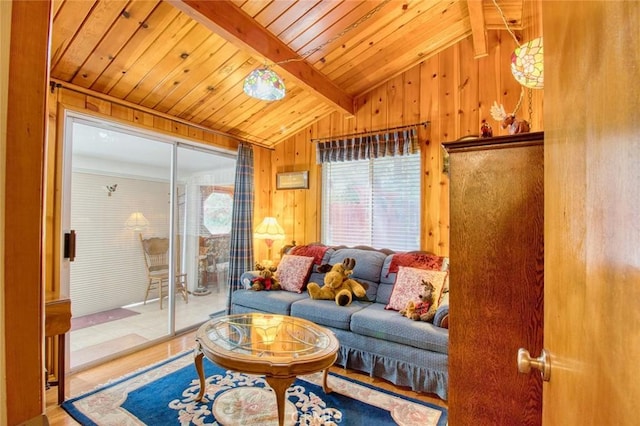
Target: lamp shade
264,84
137,221
269,230
527,64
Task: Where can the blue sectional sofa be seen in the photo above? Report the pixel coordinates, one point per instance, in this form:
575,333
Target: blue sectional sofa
373,340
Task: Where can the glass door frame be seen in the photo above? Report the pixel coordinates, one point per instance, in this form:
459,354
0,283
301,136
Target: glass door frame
70,117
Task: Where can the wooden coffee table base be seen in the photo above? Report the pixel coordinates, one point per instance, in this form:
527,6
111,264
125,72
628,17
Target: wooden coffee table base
278,347
278,384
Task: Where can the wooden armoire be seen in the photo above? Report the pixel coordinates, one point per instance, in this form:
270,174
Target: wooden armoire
496,279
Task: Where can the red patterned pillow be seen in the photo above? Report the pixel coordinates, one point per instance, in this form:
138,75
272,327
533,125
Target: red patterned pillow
408,286
293,272
315,251
416,260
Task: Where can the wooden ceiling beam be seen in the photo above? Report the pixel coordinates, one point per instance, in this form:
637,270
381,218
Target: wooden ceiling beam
478,28
230,22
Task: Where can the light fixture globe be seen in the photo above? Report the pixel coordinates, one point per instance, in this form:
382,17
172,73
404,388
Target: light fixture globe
264,84
527,64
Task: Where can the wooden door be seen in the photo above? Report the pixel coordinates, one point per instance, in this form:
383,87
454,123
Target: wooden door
592,212
496,279
21,363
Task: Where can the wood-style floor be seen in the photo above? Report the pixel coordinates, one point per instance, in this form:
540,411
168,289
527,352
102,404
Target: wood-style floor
86,380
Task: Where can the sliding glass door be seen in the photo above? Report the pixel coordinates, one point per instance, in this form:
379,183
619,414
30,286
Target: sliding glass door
151,221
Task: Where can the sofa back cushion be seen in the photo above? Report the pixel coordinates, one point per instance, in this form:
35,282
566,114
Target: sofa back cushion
368,266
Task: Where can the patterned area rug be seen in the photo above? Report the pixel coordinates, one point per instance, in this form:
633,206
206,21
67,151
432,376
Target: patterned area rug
164,395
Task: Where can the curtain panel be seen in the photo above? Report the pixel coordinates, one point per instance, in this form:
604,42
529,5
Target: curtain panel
366,147
241,249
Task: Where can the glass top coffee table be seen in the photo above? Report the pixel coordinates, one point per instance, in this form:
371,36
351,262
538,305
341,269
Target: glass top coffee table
276,346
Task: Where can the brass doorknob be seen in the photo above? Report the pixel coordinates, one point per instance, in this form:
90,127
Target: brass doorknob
542,363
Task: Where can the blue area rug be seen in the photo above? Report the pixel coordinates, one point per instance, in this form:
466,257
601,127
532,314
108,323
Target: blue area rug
164,395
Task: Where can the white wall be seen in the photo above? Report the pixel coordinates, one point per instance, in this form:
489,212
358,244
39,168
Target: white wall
109,270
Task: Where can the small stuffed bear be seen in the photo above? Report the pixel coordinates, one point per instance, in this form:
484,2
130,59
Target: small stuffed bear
425,309
338,285
265,280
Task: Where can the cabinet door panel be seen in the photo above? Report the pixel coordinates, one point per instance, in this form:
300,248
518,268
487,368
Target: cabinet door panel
496,279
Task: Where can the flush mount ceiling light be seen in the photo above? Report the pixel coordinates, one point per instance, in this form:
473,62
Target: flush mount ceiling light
264,84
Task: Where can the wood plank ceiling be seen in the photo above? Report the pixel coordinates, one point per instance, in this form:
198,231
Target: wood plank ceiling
189,58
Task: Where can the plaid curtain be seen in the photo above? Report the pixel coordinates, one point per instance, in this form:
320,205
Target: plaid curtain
366,147
241,249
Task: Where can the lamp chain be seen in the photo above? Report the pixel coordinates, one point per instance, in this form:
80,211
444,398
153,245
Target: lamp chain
506,24
354,25
519,104
530,107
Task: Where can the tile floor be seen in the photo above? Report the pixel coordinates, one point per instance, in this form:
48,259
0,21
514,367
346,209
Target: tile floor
91,345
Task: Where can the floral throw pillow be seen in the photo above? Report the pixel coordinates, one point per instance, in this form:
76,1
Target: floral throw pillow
293,272
408,286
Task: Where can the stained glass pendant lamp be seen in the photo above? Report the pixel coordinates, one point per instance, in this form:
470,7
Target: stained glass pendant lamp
264,84
527,64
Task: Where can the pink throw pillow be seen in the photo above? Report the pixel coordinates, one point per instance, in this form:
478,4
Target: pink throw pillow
293,272
408,286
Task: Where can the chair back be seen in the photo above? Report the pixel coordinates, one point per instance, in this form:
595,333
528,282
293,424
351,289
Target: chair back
156,253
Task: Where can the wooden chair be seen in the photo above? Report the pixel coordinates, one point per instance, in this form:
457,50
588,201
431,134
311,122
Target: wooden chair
156,259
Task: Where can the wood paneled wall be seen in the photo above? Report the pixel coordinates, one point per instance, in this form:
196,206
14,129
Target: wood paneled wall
453,91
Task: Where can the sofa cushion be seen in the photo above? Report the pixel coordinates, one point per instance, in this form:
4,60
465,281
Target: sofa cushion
376,321
293,272
367,269
408,286
326,312
273,302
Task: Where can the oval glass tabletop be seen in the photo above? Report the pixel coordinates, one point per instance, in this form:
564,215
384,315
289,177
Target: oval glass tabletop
258,335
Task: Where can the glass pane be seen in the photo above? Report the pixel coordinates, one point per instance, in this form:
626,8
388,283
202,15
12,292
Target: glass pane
204,189
120,186
396,203
372,202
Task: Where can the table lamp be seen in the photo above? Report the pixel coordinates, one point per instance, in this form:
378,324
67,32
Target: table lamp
269,230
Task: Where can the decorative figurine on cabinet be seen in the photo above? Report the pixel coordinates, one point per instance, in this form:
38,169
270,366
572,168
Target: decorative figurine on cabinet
509,121
485,130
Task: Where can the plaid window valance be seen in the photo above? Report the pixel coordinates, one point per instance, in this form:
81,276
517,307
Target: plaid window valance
366,147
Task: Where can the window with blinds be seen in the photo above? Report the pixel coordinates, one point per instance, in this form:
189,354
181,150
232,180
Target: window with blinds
372,202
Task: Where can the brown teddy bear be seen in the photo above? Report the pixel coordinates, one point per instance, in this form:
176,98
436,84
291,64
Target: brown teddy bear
265,280
338,285
425,309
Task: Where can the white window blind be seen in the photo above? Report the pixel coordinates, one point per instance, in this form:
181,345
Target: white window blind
372,202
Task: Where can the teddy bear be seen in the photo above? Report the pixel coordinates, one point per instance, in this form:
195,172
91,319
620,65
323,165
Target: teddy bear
337,284
265,280
425,309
